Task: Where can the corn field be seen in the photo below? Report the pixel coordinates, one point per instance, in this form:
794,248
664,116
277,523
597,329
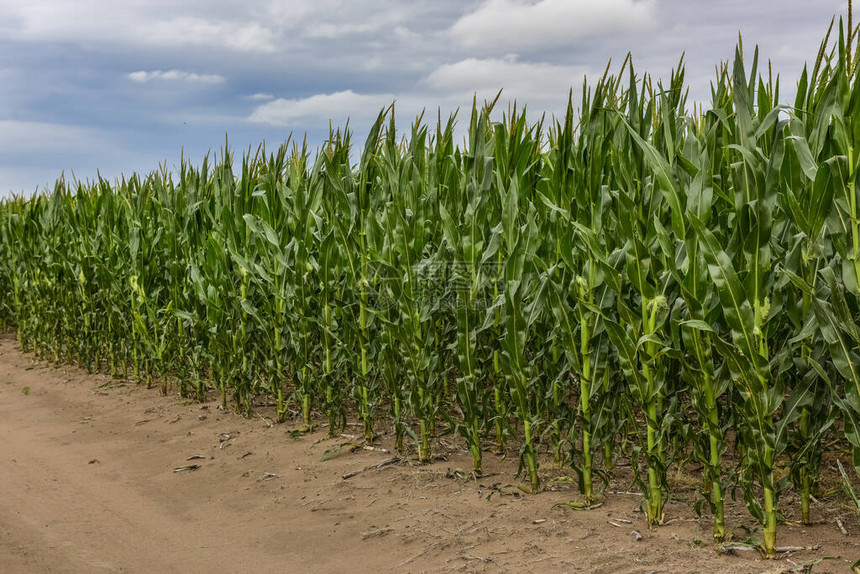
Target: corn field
636,279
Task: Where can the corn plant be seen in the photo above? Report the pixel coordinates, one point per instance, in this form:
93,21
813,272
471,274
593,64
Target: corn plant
638,278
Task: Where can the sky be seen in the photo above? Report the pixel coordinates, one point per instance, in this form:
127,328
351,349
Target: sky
109,87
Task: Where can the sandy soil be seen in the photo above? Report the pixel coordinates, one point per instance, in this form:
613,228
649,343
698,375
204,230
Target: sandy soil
88,483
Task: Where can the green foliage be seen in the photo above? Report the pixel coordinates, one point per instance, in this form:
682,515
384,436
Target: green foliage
635,277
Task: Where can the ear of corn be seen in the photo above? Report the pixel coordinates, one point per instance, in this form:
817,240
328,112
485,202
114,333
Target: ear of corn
637,279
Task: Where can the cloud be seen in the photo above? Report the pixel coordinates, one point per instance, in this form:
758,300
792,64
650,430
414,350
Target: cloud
541,85
144,77
529,82
335,106
135,22
186,31
510,24
383,20
258,26
302,62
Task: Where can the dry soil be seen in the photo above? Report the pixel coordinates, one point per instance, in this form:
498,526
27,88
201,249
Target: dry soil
89,483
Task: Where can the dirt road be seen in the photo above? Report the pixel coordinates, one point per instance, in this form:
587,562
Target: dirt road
88,484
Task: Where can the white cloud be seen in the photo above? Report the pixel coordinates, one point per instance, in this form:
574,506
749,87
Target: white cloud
336,106
423,54
156,24
529,82
143,77
185,31
383,20
526,23
543,86
257,26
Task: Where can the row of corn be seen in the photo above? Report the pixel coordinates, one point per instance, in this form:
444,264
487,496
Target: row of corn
635,279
